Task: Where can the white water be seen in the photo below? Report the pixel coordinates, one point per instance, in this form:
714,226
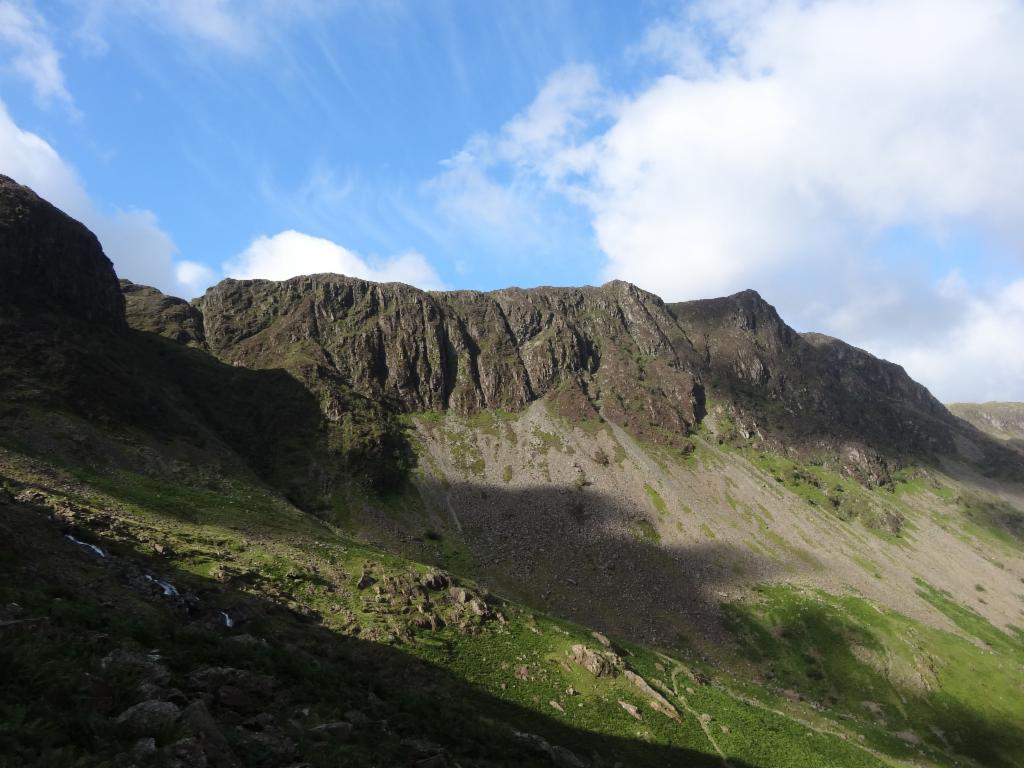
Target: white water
168,588
93,547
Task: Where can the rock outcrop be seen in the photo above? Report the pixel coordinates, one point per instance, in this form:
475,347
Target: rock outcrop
809,389
616,346
148,309
50,261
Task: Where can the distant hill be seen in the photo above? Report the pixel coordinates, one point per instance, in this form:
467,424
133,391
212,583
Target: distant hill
1002,420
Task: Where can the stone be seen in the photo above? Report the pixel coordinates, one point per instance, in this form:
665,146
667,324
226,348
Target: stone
238,699
631,709
144,748
357,718
421,747
658,702
197,721
436,580
564,758
597,664
184,753
265,749
148,718
340,730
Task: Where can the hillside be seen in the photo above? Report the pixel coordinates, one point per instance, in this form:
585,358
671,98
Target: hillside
328,521
1004,421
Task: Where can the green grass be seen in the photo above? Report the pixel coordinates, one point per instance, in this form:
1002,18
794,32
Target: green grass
494,422
867,565
464,452
547,441
659,503
645,532
467,696
840,652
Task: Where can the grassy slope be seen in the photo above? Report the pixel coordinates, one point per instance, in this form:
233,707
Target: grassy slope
1004,421
892,684
216,532
239,549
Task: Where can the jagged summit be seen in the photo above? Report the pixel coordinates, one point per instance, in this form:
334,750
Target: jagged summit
613,351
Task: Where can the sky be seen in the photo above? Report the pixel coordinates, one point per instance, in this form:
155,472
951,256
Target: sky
860,163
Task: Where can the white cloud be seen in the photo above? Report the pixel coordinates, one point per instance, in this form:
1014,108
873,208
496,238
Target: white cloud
290,253
979,358
781,146
538,146
828,123
133,240
194,277
24,34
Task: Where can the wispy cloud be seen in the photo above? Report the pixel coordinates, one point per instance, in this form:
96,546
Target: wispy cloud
499,182
234,26
26,38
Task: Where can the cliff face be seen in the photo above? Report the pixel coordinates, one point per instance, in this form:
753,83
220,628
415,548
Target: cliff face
616,347
365,351
147,309
812,388
612,351
49,260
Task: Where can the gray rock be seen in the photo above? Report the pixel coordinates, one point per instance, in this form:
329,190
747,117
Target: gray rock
197,721
144,748
185,753
340,730
148,718
596,663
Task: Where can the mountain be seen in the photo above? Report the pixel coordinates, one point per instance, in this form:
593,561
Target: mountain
330,521
1004,421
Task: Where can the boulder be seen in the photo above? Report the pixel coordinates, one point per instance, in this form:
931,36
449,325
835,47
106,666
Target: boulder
148,718
596,663
631,709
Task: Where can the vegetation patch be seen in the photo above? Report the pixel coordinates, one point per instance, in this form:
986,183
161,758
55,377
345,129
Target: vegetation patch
659,503
890,675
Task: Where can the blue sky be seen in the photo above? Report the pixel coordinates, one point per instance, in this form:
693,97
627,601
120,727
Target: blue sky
860,162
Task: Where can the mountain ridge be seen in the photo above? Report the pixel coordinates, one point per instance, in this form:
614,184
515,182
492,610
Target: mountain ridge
596,529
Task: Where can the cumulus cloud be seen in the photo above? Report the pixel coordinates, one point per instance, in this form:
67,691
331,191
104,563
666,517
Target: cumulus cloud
25,37
290,253
133,240
780,147
977,359
194,277
825,124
